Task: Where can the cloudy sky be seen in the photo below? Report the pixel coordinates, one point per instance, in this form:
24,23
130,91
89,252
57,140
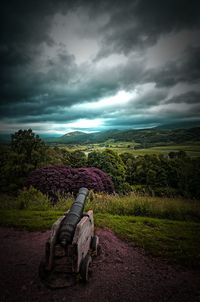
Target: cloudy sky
98,65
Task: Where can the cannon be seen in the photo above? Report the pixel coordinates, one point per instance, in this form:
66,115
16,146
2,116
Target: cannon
70,247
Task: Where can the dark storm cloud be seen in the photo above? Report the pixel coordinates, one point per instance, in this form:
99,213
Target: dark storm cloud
64,84
59,117
184,69
41,80
149,99
139,24
24,25
187,98
24,84
134,122
28,22
12,56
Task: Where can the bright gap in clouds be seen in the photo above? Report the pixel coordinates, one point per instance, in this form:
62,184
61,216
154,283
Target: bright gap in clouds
122,97
57,129
84,124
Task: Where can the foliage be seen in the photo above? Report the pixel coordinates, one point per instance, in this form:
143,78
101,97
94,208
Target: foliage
7,201
25,153
63,202
77,159
110,162
54,156
136,205
168,208
32,199
174,175
30,145
59,156
12,170
54,180
169,175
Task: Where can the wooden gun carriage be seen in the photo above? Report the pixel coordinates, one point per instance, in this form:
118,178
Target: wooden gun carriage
70,247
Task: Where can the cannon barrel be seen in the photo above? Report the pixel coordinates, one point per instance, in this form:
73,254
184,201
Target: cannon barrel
68,226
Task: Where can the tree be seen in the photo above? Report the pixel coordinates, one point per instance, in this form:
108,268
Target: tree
78,159
110,162
129,161
25,153
30,145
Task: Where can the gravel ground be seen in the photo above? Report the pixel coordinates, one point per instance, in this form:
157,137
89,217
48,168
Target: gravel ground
121,272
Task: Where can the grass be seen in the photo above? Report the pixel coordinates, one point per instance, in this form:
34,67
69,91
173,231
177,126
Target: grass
176,241
165,208
192,150
30,220
164,227
189,147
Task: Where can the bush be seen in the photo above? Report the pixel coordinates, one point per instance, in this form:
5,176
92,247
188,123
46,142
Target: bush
165,192
61,180
110,162
32,199
7,201
64,202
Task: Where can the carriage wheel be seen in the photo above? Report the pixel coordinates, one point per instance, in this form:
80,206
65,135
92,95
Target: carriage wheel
85,268
95,244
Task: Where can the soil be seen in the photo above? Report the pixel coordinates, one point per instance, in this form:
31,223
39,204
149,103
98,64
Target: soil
121,272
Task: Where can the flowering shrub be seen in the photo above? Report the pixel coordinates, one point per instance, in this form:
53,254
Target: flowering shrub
56,180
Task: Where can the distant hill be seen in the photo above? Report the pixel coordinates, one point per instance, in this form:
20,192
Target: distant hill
144,137
74,137
180,125
74,133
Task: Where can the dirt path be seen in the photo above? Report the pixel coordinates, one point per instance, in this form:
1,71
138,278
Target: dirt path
121,273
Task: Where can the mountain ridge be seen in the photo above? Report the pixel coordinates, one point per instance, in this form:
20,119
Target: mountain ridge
161,135
74,133
144,137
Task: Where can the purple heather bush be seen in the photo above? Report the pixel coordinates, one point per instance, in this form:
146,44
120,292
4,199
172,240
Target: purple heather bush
62,180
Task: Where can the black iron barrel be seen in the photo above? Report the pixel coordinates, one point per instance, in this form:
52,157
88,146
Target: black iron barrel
68,226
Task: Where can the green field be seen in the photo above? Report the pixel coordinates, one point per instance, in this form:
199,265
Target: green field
192,150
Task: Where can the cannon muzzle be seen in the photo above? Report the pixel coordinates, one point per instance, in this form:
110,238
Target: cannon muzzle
69,223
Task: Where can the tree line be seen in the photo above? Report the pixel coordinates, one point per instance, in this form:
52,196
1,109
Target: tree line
175,174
